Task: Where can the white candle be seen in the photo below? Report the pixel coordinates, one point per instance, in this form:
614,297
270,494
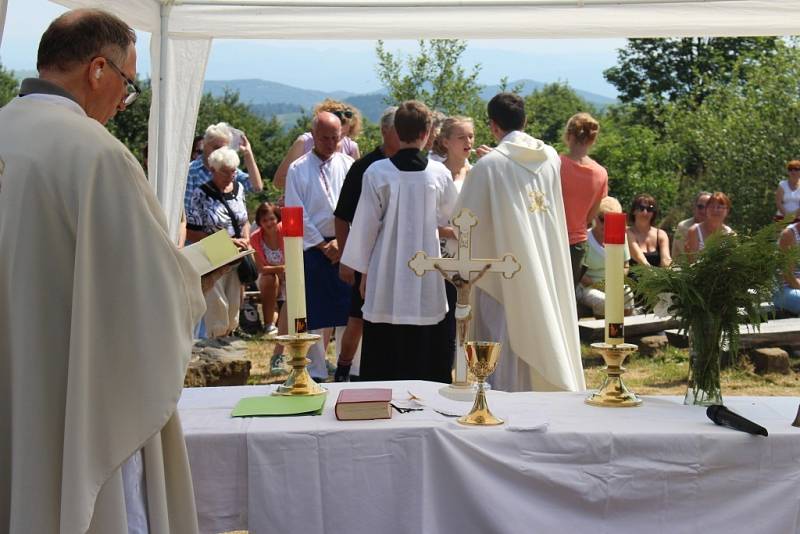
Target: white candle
614,242
292,222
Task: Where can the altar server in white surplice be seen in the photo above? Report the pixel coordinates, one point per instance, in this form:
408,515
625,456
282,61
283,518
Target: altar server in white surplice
515,192
97,305
314,181
404,199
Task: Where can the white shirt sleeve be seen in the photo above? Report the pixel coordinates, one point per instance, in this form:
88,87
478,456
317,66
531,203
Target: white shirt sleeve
296,193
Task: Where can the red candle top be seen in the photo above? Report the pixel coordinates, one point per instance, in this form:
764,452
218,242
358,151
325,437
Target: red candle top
292,221
614,229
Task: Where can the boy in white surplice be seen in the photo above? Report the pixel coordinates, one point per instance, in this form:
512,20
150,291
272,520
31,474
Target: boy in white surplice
403,201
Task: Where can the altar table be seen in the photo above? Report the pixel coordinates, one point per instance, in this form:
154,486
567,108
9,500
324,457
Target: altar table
660,468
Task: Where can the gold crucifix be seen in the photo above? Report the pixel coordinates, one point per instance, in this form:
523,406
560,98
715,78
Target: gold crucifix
463,266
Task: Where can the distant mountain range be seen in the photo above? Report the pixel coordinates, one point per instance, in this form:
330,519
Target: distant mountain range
286,102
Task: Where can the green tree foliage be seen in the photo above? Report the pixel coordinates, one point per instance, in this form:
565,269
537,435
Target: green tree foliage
8,86
130,126
639,159
548,110
435,76
742,135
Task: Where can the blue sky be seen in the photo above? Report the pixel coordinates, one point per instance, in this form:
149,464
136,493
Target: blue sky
342,65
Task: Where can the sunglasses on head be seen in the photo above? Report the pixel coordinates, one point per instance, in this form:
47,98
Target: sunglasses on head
642,207
343,113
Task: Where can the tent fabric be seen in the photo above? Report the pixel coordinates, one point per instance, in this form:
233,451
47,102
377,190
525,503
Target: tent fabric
3,7
193,23
186,67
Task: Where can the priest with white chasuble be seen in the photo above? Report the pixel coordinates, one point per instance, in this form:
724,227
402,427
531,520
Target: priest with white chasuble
515,192
97,306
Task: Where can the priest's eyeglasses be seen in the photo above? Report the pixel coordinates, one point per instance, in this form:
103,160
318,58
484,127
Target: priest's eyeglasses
130,86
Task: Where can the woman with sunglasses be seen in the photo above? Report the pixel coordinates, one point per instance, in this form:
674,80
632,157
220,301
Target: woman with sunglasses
787,195
648,244
594,266
717,210
351,127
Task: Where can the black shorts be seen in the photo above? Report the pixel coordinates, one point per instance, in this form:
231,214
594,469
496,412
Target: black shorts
356,302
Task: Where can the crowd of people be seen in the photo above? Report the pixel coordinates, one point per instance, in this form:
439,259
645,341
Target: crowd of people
324,173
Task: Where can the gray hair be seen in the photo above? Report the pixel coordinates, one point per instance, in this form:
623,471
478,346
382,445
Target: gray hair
387,119
81,35
221,130
223,158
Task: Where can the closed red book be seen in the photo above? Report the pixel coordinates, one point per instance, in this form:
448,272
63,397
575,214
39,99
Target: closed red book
366,403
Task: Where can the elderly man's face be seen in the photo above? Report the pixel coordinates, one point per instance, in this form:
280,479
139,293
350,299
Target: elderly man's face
112,88
326,136
211,145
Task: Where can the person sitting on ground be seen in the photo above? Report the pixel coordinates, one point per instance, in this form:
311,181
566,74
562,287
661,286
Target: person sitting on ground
717,210
351,127
787,195
788,295
584,182
682,228
649,245
594,264
218,136
216,205
267,241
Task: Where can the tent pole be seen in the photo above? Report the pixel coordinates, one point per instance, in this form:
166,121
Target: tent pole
161,174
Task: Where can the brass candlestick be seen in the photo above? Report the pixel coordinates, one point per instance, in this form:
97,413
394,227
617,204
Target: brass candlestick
482,359
299,381
614,393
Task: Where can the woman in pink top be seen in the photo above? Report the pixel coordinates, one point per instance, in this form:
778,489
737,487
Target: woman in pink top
268,244
584,183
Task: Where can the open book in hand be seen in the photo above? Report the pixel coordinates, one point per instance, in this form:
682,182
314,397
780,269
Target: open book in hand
213,252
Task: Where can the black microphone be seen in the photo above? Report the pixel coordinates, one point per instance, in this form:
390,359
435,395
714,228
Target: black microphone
724,417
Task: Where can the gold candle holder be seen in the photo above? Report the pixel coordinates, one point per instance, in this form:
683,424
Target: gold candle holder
614,393
299,381
482,359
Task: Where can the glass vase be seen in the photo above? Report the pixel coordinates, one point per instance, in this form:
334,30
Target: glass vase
705,351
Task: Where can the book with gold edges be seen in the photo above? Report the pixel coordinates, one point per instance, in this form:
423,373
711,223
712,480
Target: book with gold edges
366,403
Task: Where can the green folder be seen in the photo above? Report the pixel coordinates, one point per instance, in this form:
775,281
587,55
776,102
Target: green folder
279,405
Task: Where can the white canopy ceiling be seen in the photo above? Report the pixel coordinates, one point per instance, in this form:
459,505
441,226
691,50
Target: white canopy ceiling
182,31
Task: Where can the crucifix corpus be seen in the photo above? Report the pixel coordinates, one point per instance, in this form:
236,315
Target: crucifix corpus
463,271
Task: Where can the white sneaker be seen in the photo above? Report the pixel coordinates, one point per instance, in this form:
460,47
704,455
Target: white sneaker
272,329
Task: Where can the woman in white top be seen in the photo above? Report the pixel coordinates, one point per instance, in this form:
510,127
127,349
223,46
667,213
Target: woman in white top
787,195
454,145
717,210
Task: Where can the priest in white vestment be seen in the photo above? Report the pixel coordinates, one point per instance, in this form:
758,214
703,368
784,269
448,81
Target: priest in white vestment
515,192
97,305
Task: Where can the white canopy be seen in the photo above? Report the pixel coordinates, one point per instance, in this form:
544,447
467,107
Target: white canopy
182,32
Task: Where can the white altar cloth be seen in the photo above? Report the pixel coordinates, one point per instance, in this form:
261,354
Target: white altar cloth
663,467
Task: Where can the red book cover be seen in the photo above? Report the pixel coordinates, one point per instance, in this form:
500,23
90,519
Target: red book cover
364,403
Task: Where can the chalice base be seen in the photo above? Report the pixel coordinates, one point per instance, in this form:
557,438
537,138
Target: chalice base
614,393
480,414
299,381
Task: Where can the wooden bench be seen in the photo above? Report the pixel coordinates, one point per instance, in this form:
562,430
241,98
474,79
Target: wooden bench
774,333
592,330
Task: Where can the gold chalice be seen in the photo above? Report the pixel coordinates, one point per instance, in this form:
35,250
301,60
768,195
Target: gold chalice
299,381
481,359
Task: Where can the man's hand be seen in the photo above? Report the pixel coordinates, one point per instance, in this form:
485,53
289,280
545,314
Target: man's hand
362,287
347,274
331,250
208,280
483,150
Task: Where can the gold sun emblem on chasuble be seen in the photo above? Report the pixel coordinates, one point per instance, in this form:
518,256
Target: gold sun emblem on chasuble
536,201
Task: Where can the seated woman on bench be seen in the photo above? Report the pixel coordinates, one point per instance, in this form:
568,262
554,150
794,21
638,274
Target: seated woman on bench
594,272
